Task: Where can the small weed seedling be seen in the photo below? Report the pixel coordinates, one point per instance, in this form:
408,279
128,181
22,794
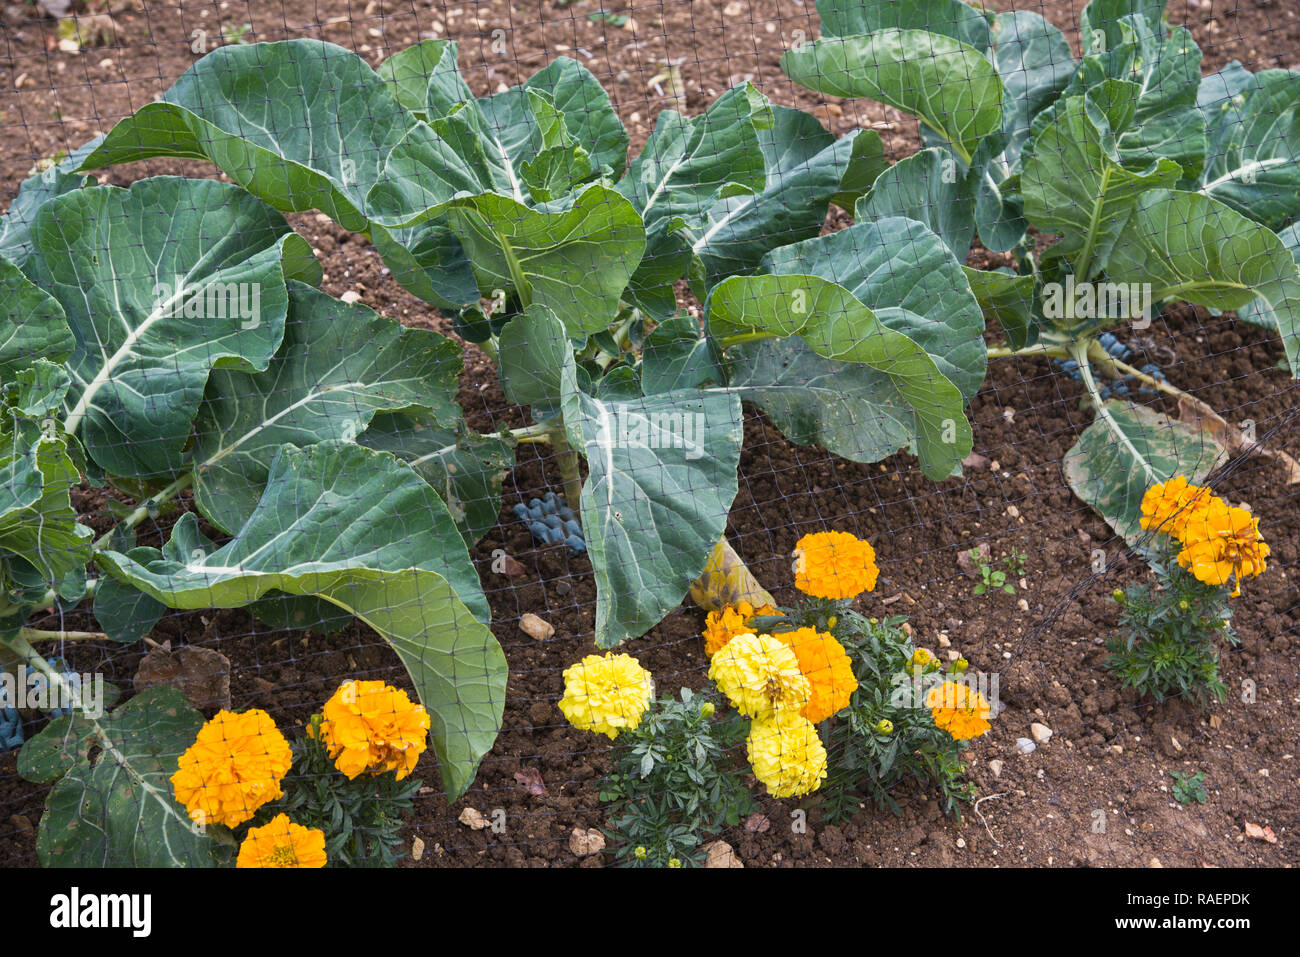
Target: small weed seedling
236,33
999,576
1189,788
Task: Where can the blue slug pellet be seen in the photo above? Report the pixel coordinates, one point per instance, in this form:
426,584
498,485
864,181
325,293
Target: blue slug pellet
551,521
1154,371
11,730
1122,387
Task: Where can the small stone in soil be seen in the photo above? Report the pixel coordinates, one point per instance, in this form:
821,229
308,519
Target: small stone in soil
1041,732
535,626
585,843
473,819
512,567
563,588
720,854
1025,746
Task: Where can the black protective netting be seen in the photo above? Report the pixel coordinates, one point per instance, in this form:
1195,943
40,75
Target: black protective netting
300,361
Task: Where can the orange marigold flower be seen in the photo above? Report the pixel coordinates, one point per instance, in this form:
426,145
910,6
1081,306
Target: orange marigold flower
834,565
959,709
1222,543
233,767
281,843
721,626
829,671
374,727
1169,506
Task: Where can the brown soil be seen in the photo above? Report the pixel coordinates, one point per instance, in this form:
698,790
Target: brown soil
1110,752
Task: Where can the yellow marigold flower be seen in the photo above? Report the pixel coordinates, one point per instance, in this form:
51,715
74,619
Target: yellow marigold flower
233,767
1169,506
721,626
959,709
760,674
786,754
1222,543
826,665
834,565
606,694
370,726
281,843
921,660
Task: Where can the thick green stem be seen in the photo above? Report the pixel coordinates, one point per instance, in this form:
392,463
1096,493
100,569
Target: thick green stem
22,647
533,433
1038,349
37,634
568,461
140,514
522,289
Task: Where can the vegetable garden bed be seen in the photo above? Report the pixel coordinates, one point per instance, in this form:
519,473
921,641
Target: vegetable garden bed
1110,750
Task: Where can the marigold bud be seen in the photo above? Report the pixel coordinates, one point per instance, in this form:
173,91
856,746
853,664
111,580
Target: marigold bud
707,709
674,862
884,726
960,665
830,622
640,853
1117,594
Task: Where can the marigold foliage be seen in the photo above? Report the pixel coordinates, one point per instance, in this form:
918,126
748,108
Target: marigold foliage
1222,543
721,626
959,709
281,843
835,565
370,726
786,754
760,675
234,766
828,668
606,694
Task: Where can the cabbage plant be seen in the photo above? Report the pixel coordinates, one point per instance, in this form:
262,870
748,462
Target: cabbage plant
171,336
1117,182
